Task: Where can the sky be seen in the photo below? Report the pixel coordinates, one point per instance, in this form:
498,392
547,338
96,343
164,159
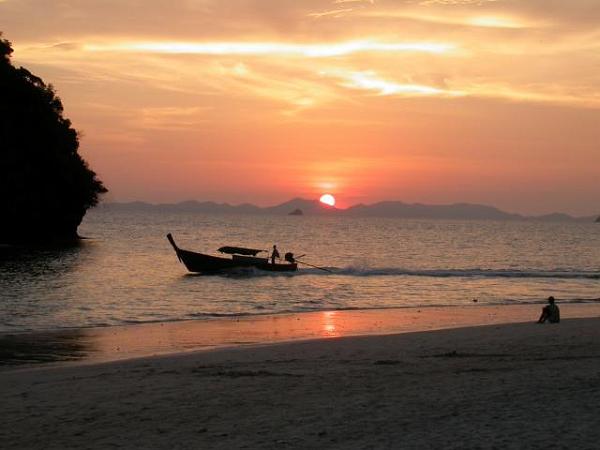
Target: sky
429,101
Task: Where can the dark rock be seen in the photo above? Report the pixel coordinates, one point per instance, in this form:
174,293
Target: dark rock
45,185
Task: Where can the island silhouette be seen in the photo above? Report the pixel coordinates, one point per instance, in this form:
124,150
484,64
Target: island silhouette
46,187
391,209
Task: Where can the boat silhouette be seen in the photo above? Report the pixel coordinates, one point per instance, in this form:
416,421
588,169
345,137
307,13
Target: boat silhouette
240,257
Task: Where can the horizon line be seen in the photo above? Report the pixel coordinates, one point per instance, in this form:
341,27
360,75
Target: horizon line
335,208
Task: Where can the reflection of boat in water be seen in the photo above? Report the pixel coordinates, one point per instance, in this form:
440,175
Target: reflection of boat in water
240,257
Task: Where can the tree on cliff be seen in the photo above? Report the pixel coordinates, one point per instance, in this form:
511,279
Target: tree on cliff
45,185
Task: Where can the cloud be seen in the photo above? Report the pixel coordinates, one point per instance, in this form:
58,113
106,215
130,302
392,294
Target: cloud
321,50
66,45
461,88
277,72
372,2
462,19
371,82
535,94
457,2
170,117
341,12
333,12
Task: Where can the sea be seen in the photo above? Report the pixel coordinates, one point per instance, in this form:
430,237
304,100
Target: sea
126,272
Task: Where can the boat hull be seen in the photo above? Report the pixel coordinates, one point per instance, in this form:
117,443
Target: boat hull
200,263
293,267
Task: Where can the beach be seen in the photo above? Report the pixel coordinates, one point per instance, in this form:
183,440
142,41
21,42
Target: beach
510,385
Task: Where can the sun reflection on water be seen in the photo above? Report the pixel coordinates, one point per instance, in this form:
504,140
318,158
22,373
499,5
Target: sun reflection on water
330,325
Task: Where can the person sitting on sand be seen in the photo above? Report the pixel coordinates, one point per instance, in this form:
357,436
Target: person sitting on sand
274,255
550,312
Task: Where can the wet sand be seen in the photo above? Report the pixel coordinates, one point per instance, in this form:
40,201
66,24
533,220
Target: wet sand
93,345
496,386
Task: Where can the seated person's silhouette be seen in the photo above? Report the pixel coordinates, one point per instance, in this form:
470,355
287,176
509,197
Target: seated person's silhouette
550,312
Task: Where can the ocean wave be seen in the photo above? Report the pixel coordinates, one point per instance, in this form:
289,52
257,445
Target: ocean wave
365,271
447,273
7,328
299,309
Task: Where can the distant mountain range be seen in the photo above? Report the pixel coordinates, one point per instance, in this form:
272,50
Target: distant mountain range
459,211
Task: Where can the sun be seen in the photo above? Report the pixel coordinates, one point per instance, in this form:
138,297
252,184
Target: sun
328,199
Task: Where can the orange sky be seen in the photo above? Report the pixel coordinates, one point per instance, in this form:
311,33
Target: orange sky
431,101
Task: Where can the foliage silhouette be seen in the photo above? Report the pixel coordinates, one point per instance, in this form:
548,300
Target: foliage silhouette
45,185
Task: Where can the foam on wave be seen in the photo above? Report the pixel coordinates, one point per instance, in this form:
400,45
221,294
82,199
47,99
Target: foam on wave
446,273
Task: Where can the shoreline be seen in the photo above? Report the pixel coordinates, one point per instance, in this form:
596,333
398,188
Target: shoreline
124,342
497,386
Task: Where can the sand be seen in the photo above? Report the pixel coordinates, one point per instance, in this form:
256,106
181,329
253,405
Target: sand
498,386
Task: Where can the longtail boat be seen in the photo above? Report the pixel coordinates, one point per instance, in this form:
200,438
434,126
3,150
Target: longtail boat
240,257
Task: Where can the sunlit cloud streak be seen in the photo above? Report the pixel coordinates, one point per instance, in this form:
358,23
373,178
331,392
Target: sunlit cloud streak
348,6
495,22
582,99
271,48
334,12
483,21
372,2
371,82
289,82
457,2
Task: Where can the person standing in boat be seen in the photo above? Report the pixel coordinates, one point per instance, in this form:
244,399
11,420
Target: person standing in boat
274,255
